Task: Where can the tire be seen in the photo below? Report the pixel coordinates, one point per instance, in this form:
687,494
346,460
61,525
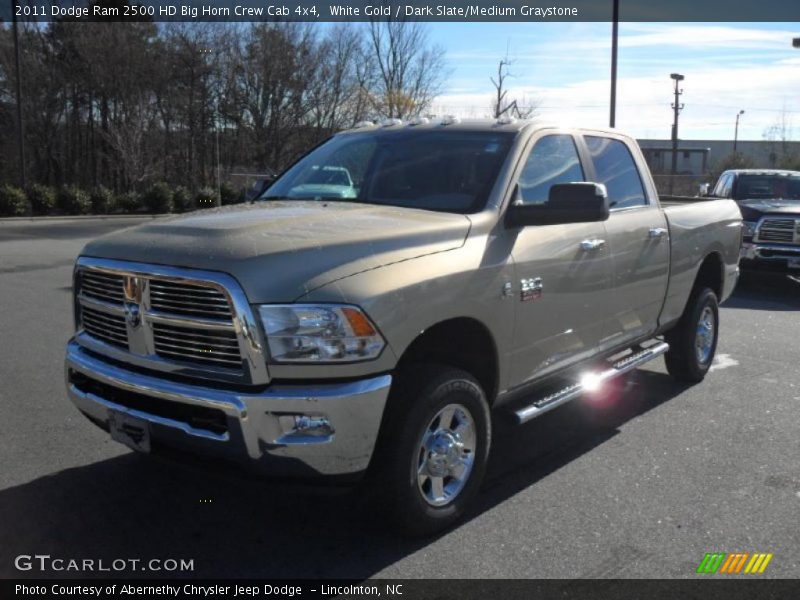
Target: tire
691,345
406,473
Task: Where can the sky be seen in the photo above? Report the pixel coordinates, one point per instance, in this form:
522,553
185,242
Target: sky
564,67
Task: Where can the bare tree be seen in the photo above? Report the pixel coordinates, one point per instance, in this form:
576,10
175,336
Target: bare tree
409,72
336,99
124,104
501,104
780,134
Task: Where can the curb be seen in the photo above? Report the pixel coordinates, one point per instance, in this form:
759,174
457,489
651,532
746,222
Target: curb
79,218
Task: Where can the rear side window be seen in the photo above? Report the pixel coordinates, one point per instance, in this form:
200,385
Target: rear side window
616,169
554,159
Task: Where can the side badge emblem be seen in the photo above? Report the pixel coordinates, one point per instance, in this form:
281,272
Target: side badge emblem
531,289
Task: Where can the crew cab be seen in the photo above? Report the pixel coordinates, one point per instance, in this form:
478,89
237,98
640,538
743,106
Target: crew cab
770,203
476,270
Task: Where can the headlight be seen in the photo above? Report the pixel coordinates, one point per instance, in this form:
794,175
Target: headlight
319,333
748,228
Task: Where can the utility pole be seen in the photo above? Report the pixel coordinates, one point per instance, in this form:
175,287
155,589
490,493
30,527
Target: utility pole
612,117
736,132
677,107
20,122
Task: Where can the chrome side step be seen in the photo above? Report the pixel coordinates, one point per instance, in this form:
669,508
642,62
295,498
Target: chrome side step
589,382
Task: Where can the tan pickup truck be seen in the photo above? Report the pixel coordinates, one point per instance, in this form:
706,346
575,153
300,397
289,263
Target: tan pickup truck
388,295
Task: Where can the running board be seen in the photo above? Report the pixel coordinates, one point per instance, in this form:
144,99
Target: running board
590,382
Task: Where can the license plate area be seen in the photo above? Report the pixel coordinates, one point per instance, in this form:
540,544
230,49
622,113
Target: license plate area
131,431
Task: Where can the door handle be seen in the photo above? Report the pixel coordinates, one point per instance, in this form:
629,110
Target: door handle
594,244
657,232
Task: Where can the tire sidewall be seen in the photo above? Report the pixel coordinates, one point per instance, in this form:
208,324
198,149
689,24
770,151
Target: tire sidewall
706,298
452,387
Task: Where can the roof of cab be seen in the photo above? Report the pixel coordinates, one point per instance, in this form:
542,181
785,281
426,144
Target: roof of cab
454,123
763,171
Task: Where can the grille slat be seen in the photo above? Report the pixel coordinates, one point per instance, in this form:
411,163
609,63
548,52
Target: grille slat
212,335
200,349
105,334
185,287
204,300
204,344
777,230
102,286
107,328
208,359
189,300
181,308
221,348
197,342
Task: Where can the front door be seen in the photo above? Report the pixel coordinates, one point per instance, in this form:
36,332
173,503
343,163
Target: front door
562,271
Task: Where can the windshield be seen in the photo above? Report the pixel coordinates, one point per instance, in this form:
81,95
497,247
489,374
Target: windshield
754,187
449,171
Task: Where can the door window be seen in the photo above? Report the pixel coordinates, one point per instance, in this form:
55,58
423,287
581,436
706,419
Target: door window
616,169
554,159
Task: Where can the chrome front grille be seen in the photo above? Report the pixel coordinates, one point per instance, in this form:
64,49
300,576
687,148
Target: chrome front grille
195,323
219,348
189,300
776,231
105,326
103,286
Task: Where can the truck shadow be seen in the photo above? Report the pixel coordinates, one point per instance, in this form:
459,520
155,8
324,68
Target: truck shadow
765,292
134,506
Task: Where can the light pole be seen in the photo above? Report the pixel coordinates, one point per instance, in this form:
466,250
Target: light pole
20,122
736,132
612,116
676,108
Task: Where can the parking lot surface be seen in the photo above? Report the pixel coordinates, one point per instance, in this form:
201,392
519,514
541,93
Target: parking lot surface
642,487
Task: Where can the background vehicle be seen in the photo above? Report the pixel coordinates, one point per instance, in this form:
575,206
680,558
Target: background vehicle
770,203
482,268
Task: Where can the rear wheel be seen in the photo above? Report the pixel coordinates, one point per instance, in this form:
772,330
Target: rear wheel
433,449
693,341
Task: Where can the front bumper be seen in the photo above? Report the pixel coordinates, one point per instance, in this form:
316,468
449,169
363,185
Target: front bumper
769,257
253,428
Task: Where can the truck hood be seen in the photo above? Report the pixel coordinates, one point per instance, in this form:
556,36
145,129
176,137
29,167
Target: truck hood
279,251
755,209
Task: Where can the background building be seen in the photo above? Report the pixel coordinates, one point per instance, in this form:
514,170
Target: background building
702,157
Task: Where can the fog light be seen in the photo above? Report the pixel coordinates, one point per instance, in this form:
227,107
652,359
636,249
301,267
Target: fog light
305,429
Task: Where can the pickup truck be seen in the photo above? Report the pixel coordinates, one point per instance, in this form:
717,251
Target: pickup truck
475,270
770,203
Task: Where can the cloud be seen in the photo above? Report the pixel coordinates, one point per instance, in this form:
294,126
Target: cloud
752,69
712,97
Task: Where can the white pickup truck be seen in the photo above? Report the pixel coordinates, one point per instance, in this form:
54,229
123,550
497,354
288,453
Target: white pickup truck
388,295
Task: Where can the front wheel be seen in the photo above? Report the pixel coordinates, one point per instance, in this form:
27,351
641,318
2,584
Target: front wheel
693,341
434,449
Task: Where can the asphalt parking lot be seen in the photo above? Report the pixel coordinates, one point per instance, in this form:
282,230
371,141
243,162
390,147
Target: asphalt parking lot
642,488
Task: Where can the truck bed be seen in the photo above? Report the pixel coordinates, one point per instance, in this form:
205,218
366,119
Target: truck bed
699,226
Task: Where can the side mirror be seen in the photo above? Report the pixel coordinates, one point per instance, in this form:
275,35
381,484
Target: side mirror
583,202
705,189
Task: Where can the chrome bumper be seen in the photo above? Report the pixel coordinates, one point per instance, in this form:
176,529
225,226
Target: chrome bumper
258,427
751,251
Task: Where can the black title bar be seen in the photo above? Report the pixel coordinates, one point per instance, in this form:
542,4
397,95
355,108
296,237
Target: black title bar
413,10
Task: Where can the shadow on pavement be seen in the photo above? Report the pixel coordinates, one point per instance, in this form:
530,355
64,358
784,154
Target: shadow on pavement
757,291
134,506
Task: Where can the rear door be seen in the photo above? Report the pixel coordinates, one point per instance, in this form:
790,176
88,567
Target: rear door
638,238
561,289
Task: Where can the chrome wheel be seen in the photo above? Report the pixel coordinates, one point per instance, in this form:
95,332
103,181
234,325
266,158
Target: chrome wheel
446,455
704,336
